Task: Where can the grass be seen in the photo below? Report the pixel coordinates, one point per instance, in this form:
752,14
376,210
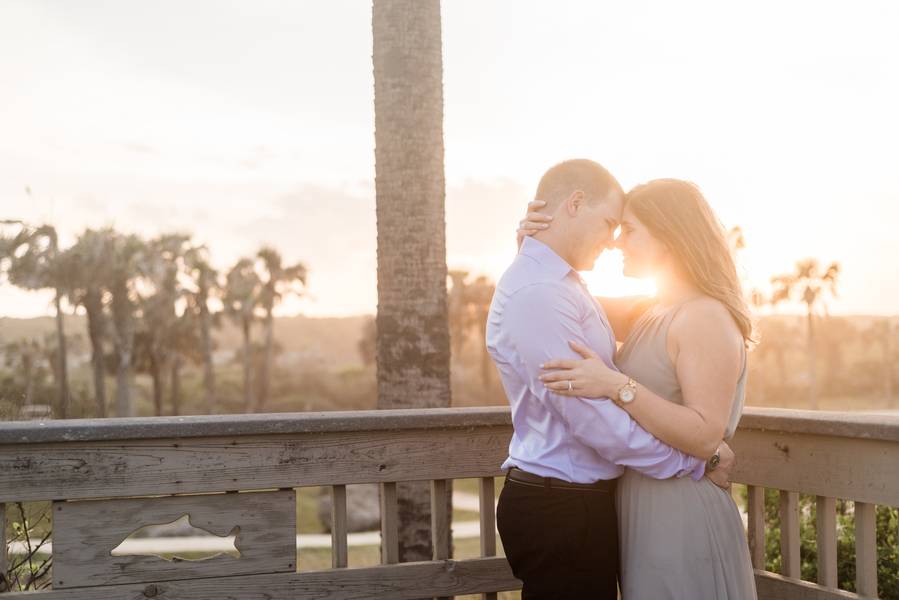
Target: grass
316,559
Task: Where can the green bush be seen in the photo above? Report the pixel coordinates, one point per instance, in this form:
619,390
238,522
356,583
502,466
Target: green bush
887,543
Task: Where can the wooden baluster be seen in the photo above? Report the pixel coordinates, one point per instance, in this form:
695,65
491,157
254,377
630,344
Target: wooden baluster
3,563
789,534
826,532
439,520
486,495
756,525
338,527
866,549
390,543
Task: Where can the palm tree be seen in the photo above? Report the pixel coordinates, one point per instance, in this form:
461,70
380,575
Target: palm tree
185,341
34,264
87,265
23,356
160,267
204,280
880,333
458,311
279,280
469,305
413,353
125,257
241,299
480,295
809,284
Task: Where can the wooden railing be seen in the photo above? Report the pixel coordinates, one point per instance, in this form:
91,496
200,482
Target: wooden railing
849,456
108,477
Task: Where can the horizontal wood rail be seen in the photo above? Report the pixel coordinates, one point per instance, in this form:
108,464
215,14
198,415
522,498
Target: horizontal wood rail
140,462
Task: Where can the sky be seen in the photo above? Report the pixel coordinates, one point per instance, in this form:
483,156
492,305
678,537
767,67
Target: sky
246,123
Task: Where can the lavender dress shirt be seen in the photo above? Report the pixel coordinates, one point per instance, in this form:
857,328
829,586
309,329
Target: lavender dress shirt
540,304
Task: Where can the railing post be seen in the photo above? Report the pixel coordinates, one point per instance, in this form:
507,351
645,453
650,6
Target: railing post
756,513
4,584
486,497
789,534
866,549
439,520
826,533
390,546
338,527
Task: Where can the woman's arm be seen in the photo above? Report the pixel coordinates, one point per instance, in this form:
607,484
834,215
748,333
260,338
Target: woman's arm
706,346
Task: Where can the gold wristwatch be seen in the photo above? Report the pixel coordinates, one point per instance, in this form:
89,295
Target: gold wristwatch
627,392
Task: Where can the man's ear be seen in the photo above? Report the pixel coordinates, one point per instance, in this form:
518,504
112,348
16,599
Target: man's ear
575,201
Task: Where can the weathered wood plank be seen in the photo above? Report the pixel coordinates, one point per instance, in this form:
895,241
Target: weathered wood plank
866,549
242,425
338,527
390,543
86,532
826,535
439,520
756,525
487,511
487,508
407,581
789,534
837,424
777,587
838,467
4,565
869,426
80,470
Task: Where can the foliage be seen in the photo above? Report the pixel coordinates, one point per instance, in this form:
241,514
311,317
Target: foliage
887,543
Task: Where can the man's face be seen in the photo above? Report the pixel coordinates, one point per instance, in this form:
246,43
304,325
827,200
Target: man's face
596,224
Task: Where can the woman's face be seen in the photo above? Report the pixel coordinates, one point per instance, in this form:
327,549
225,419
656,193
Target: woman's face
644,255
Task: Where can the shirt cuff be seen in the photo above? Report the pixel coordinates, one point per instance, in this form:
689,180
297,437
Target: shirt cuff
698,472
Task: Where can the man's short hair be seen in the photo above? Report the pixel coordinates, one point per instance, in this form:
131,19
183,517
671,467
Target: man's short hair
563,179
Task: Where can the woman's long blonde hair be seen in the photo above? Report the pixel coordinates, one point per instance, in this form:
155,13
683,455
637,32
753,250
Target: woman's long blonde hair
678,215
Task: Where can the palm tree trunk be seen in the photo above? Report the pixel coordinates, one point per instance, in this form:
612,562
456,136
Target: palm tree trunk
208,371
247,367
176,384
94,307
123,322
28,373
156,376
887,364
812,362
266,375
413,349
62,360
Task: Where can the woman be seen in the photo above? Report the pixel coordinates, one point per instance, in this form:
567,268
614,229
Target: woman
680,539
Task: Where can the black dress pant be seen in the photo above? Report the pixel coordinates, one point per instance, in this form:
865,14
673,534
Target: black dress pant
561,543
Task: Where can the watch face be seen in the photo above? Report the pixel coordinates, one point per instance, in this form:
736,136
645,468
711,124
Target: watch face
626,395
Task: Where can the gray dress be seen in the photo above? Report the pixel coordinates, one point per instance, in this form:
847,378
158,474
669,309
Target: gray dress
680,539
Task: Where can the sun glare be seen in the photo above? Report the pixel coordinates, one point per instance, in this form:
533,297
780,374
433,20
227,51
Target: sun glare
607,278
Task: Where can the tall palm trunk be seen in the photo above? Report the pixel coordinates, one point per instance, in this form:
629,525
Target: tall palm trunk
812,362
208,371
123,324
176,384
247,367
28,374
62,359
156,376
94,307
267,363
887,362
413,350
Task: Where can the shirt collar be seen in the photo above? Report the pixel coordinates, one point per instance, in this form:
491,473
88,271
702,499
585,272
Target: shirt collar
547,258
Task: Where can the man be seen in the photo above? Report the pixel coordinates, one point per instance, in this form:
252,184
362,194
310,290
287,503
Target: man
556,514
